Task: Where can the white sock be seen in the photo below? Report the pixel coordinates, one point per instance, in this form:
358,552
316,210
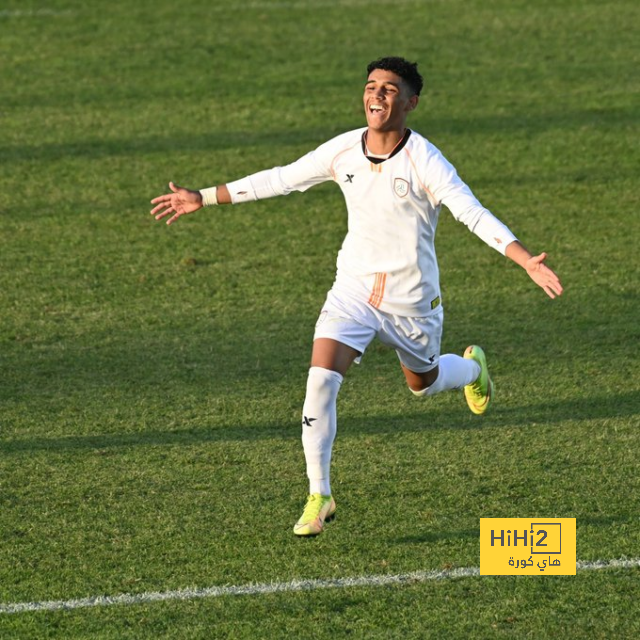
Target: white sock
454,372
319,424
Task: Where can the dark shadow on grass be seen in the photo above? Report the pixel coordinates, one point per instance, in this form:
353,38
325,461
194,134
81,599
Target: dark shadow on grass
536,122
605,521
137,146
220,141
439,536
625,405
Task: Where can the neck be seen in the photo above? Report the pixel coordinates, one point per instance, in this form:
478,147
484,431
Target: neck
383,142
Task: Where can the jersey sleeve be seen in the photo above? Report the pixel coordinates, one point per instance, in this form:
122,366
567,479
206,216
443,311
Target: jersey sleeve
446,187
309,170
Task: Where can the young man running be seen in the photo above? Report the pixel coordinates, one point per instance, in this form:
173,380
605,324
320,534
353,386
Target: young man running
394,182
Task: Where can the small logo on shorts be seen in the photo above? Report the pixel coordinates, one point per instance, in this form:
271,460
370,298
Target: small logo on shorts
435,302
401,187
306,422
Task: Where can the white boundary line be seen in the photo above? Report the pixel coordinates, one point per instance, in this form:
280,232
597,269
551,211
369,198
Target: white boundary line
281,587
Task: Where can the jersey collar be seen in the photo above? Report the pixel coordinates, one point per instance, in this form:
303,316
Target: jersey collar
396,149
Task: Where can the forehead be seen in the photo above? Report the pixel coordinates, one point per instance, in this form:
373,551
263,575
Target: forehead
383,76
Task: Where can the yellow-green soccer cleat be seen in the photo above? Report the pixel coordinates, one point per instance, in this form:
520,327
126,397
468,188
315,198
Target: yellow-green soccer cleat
318,510
480,392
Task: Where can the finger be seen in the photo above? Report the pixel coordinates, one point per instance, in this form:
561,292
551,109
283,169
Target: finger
553,289
165,213
159,207
174,187
552,279
174,218
164,198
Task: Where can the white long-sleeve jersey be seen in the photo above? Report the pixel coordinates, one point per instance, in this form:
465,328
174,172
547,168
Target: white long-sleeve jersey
388,256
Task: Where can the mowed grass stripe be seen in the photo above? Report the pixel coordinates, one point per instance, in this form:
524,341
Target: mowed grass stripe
255,5
281,587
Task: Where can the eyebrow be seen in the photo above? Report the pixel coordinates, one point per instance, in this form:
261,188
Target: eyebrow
393,84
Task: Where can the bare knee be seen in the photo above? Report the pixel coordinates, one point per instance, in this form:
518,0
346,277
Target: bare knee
332,355
420,381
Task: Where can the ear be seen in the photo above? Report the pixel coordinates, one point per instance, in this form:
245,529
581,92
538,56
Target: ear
413,102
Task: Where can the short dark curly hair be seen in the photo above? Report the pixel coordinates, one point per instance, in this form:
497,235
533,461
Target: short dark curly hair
408,71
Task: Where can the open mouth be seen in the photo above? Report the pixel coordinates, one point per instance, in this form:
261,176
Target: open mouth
375,108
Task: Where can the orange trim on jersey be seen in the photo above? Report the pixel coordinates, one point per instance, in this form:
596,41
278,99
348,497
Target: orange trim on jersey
375,300
376,168
413,164
335,159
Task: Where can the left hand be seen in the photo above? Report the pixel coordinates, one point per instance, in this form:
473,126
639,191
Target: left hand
543,276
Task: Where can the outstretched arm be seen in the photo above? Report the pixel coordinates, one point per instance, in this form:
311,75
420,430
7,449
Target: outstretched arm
313,168
182,201
535,268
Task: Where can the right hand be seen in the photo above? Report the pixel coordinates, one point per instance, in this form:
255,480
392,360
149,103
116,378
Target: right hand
180,202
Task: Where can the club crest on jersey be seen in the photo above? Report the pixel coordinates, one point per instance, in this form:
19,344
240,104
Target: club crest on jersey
401,187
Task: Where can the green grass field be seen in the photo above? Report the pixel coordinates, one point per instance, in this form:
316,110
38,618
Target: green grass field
152,378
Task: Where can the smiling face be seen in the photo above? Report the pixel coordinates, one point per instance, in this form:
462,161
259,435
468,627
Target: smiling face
387,101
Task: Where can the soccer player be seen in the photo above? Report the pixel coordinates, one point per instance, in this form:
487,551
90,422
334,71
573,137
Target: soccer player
394,182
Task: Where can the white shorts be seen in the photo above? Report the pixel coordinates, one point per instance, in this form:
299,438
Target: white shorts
356,324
